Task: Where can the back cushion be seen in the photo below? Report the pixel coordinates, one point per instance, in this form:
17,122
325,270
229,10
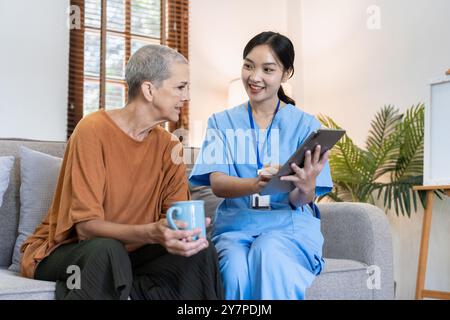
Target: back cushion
39,174
9,211
6,164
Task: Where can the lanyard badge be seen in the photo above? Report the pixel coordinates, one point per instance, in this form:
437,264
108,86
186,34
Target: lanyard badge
258,201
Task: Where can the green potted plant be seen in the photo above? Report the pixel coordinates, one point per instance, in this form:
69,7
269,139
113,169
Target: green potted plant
389,166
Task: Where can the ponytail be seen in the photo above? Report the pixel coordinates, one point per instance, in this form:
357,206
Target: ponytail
283,97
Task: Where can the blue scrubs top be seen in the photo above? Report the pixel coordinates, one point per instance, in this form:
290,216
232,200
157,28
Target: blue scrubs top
230,147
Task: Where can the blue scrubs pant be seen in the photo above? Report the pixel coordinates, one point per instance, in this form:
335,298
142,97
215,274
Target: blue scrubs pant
278,259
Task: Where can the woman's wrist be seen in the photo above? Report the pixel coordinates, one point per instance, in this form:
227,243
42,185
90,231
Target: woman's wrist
254,187
146,233
299,197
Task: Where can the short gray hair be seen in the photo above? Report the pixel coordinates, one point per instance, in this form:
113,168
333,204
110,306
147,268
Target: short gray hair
150,63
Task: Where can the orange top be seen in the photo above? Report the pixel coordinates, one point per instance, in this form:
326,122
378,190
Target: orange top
108,175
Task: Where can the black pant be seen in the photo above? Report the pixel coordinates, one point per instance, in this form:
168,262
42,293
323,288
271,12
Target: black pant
101,268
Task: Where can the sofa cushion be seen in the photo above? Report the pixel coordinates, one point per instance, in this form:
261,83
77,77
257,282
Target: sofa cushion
39,174
6,164
9,211
15,287
341,279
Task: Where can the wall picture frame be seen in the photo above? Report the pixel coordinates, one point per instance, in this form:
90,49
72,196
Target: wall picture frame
437,133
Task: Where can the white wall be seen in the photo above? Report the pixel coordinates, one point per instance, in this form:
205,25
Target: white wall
349,67
295,34
33,69
406,233
219,31
350,72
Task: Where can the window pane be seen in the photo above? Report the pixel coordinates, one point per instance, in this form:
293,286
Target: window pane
146,17
115,12
91,53
91,96
115,96
115,57
92,13
136,44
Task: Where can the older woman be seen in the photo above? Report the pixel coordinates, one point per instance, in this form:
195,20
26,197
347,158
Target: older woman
105,235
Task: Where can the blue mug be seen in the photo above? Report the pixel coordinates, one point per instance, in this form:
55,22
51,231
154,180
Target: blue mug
190,212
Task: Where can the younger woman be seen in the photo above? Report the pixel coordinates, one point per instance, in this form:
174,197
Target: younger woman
269,247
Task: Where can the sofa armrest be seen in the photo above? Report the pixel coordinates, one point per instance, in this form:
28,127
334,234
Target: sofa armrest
361,232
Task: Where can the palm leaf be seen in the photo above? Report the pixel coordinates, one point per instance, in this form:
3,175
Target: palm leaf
410,162
350,167
394,149
399,191
382,142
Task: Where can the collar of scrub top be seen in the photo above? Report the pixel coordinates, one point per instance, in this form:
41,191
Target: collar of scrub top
252,125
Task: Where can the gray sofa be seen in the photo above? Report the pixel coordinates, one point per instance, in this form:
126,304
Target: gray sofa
357,242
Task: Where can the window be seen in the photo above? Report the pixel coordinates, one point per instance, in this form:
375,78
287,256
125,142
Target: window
111,31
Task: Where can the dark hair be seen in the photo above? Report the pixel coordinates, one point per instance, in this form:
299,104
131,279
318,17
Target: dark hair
283,49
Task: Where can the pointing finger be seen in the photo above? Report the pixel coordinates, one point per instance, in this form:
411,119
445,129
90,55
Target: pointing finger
296,168
317,154
290,178
307,165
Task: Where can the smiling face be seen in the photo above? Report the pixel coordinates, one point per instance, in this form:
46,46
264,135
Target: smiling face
262,74
171,95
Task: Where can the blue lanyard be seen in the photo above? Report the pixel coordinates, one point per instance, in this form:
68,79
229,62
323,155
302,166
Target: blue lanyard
252,124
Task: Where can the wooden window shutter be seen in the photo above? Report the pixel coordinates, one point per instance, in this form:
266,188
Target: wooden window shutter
178,38
111,31
76,72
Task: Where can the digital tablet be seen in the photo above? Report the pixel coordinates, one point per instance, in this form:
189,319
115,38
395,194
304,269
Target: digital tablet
326,138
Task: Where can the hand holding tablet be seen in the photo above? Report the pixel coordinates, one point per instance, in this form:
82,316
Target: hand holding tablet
326,138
